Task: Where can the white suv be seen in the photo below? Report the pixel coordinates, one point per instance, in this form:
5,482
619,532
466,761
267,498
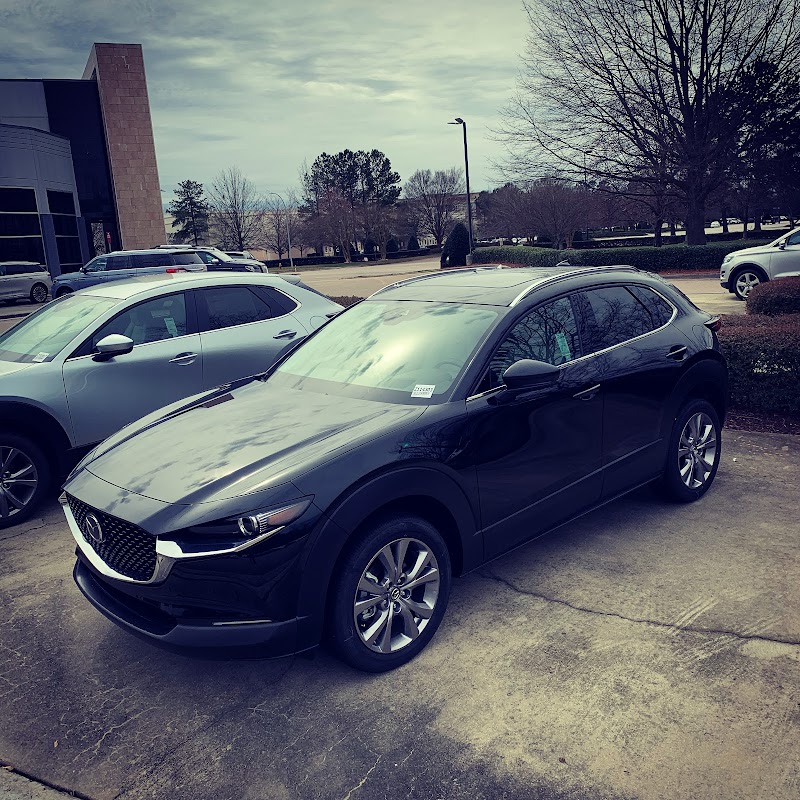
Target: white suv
744,269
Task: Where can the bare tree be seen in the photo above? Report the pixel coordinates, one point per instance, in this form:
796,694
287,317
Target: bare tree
237,210
433,198
642,90
557,210
281,223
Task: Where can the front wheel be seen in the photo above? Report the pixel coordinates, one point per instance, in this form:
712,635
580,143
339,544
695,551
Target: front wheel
694,451
39,293
744,281
24,478
390,594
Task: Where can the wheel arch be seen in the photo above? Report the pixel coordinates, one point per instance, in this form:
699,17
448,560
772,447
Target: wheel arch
38,425
762,272
424,492
705,379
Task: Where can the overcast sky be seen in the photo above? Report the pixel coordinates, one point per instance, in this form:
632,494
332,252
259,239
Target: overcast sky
265,84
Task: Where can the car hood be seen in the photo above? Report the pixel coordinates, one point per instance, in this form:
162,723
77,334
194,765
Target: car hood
10,367
238,441
764,249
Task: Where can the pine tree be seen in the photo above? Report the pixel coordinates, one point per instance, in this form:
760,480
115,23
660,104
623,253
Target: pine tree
190,211
456,248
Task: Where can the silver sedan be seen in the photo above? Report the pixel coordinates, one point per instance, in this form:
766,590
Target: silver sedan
82,367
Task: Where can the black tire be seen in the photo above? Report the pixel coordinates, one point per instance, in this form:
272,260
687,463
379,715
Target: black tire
753,276
15,453
39,293
676,484
348,636
62,292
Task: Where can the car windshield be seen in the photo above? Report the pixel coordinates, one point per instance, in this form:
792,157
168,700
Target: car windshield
44,334
402,351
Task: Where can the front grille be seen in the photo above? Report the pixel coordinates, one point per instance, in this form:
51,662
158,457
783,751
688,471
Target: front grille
124,547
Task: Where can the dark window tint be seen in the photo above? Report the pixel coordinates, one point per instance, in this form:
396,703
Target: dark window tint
208,258
147,260
615,316
14,199
61,202
794,239
65,226
279,302
162,318
97,264
548,333
20,225
233,305
19,269
660,310
119,262
23,248
186,258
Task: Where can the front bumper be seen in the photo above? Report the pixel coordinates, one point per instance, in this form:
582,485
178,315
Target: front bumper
220,639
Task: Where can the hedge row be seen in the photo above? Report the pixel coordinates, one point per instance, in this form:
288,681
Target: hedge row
763,355
654,259
775,298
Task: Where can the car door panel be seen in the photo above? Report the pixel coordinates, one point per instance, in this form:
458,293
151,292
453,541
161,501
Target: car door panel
530,451
785,262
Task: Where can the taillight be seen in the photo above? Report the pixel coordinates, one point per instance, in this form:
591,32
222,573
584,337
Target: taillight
713,324
171,270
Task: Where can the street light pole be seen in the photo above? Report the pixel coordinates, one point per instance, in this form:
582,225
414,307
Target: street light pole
459,121
288,232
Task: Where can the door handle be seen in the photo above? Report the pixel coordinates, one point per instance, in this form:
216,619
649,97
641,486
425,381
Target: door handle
587,394
183,359
677,352
285,335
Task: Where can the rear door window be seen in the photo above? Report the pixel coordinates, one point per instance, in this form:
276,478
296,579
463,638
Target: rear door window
149,260
119,262
614,314
660,310
228,306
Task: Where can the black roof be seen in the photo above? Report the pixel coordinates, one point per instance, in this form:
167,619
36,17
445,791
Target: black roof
492,285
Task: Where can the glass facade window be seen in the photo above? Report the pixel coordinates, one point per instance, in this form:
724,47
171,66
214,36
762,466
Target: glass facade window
20,230
62,209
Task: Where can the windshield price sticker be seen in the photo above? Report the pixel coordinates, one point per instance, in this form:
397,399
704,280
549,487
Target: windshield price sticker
423,390
561,340
39,357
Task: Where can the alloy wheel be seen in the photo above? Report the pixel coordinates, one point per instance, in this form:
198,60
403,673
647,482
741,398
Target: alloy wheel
39,293
697,450
18,481
396,595
745,283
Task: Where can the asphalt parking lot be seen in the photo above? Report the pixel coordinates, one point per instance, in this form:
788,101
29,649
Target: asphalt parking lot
645,651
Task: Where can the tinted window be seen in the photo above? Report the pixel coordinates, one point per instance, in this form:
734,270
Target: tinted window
616,316
232,305
186,258
97,264
144,261
660,310
162,318
548,333
793,239
208,258
13,199
20,269
277,301
119,262
60,202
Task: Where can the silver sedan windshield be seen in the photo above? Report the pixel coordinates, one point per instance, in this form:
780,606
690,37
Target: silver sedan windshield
43,335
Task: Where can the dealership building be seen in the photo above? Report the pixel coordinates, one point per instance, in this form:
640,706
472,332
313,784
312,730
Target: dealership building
78,173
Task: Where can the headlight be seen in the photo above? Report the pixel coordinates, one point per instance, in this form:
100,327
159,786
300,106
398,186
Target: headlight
263,522
727,258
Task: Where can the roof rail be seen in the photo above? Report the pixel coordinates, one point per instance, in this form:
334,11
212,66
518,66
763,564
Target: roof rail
568,274
437,275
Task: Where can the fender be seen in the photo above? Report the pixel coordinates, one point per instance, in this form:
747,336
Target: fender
350,510
706,378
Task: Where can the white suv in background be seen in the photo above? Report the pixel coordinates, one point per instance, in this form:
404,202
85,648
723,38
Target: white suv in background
744,269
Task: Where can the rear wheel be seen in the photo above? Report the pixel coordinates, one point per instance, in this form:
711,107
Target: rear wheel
390,594
694,451
38,293
744,280
24,478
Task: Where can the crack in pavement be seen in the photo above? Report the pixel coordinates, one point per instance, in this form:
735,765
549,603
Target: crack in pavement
746,637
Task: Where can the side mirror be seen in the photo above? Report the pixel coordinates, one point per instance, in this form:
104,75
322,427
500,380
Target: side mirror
115,344
83,270
530,374
782,244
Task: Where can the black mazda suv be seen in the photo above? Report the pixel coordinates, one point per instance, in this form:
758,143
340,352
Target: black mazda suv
420,433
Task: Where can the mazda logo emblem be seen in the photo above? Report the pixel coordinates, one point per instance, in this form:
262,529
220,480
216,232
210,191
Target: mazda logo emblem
93,529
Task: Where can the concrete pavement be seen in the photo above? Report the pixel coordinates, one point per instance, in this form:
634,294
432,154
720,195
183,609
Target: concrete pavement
645,651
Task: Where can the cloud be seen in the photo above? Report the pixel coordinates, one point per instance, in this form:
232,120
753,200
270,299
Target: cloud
265,84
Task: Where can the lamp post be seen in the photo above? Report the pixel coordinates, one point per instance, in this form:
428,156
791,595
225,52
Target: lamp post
459,121
288,232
